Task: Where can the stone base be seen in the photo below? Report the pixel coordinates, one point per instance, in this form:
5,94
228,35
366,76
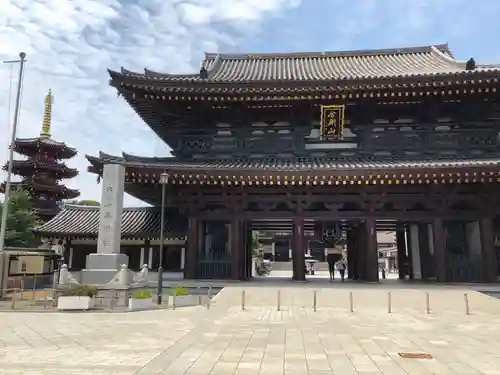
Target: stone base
101,268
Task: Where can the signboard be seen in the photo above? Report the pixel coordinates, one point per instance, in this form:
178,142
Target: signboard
332,121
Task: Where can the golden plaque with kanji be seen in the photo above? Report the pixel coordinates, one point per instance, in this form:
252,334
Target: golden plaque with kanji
332,121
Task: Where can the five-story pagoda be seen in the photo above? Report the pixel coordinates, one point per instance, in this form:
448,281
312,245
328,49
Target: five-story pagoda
43,168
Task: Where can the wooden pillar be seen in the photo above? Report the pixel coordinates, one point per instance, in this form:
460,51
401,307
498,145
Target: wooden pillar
355,252
236,249
490,261
410,251
371,250
425,256
298,250
350,254
401,245
249,250
361,251
192,248
439,249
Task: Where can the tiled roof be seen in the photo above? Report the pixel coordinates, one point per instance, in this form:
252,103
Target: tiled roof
60,190
43,140
293,165
46,165
83,221
319,66
31,146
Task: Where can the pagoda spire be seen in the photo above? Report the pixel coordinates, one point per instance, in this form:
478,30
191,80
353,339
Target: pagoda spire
47,115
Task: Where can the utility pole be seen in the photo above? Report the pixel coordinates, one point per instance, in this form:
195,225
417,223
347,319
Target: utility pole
5,207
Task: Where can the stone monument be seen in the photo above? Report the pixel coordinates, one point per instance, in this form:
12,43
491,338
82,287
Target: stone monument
101,267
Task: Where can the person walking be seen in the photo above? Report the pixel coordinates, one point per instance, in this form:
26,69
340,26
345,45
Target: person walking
341,266
331,268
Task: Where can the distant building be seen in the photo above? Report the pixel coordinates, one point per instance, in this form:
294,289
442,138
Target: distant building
43,168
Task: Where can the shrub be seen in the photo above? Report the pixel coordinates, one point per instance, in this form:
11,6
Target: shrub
178,292
80,290
143,294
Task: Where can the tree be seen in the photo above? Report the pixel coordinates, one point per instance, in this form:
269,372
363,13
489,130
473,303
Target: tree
255,243
85,202
20,220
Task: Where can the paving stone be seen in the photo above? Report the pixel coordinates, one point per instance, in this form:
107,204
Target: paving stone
262,341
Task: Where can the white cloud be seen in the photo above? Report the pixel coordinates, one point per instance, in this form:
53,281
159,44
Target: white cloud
71,43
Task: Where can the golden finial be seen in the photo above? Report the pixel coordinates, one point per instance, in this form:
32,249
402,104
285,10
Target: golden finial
47,115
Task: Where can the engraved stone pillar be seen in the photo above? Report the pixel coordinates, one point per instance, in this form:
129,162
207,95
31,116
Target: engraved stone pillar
102,266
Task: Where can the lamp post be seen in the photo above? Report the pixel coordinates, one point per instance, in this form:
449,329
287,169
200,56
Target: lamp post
5,207
159,287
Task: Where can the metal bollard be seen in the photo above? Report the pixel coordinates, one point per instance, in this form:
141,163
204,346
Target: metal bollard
199,300
173,299
389,302
427,303
278,307
33,290
315,301
209,298
210,291
22,289
45,300
13,302
243,300
351,302
466,300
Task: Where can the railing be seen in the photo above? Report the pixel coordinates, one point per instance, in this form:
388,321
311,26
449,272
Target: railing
462,268
214,267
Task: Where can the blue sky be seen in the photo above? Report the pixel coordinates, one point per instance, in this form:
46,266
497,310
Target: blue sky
71,43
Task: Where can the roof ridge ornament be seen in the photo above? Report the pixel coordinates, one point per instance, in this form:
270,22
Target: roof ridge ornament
203,73
470,64
47,115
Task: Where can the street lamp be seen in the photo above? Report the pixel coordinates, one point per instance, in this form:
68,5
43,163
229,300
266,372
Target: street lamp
159,287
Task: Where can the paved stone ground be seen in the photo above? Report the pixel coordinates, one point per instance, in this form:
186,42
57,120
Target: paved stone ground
261,340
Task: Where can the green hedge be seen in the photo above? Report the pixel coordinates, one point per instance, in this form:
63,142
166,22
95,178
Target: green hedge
178,292
80,290
143,294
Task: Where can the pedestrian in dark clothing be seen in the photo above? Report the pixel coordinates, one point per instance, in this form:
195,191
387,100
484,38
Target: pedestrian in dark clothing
331,268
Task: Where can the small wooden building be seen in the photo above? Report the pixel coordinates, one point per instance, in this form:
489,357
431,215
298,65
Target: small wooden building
75,228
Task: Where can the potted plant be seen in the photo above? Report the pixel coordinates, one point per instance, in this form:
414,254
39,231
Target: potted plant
77,297
179,297
142,299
